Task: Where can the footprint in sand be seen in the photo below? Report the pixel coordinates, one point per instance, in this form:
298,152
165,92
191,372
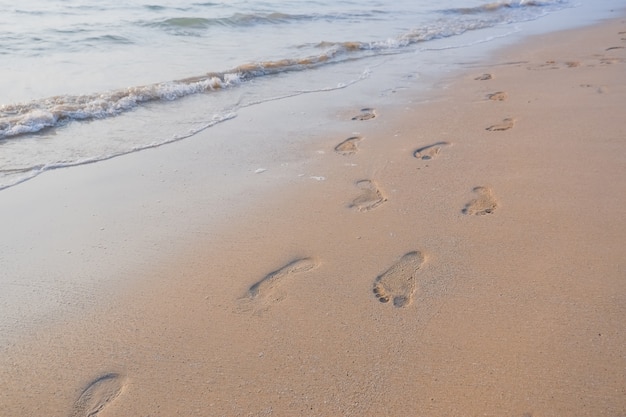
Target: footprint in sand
366,114
370,198
98,394
429,152
267,284
484,77
398,283
348,146
485,203
506,124
498,96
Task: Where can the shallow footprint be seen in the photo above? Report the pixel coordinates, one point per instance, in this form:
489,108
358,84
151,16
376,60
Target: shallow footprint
97,395
398,283
348,146
366,114
485,203
506,124
484,77
370,198
431,151
498,96
267,283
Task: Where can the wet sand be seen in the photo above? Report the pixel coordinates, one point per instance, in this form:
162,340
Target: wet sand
463,256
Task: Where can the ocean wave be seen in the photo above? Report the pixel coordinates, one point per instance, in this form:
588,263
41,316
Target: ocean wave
159,8
235,20
502,5
34,116
177,24
115,39
206,4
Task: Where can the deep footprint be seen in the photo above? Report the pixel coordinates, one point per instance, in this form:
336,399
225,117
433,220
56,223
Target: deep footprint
267,283
484,204
366,114
348,146
370,198
506,124
98,395
431,151
398,283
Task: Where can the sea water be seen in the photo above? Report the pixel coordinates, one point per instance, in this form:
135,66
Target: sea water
84,81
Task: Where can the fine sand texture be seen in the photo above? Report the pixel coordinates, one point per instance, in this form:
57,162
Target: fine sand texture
461,257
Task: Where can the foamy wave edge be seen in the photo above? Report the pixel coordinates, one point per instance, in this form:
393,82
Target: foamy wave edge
34,116
19,119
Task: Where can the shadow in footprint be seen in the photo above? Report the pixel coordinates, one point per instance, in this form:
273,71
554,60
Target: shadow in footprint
348,146
398,283
484,77
366,114
370,197
97,395
484,204
506,124
430,152
267,283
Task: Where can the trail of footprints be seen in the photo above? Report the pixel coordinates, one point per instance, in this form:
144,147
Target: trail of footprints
395,286
398,284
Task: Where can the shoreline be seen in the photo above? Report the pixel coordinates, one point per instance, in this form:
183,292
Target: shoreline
462,256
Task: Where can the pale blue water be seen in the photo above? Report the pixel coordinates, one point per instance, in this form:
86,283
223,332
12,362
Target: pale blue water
84,81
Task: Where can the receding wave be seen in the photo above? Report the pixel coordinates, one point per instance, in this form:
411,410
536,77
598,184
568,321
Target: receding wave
22,174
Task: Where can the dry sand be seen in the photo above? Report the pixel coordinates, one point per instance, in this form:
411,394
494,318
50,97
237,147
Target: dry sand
464,257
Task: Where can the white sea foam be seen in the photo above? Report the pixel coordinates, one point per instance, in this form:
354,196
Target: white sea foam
30,117
173,52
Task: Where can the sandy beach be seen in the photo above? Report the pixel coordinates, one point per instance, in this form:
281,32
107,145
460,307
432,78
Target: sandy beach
460,255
